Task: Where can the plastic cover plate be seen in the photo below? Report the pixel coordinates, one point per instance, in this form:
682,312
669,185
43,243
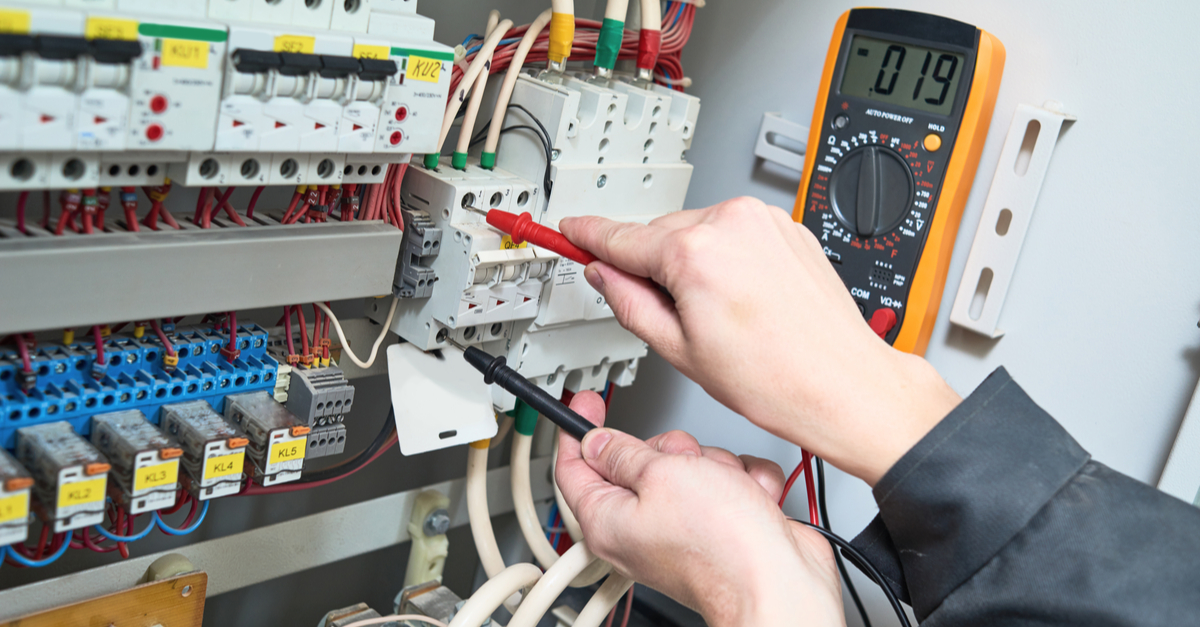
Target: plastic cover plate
439,399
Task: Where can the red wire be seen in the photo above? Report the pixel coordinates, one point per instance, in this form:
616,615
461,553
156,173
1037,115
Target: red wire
287,329
99,344
254,200
291,207
21,200
628,607
303,330
120,528
814,516
232,334
162,337
26,363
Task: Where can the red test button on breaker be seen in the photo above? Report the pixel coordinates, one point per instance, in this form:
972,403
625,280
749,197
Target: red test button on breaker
882,321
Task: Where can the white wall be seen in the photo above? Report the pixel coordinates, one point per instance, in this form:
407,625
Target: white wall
1101,316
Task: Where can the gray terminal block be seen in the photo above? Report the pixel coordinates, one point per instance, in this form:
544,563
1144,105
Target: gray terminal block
320,396
327,440
422,243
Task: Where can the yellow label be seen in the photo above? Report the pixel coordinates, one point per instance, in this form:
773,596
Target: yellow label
295,43
156,476
422,69
14,22
224,465
363,51
81,492
111,28
287,451
185,53
14,506
506,243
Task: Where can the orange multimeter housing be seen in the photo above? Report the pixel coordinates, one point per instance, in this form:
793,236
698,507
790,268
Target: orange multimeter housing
899,125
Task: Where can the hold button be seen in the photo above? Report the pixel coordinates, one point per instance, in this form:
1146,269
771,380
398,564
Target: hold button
933,142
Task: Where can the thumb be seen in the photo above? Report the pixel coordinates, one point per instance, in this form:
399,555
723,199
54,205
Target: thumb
618,457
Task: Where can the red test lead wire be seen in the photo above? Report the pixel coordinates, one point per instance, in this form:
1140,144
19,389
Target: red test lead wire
522,228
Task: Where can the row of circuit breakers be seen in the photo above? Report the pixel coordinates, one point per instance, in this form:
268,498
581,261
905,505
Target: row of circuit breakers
138,420
217,92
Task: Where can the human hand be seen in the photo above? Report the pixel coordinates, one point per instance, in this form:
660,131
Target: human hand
764,324
697,523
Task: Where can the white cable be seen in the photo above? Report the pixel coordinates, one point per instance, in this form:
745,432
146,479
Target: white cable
478,514
396,617
468,124
568,517
492,593
510,79
468,79
603,601
616,10
552,584
563,6
651,15
527,516
337,326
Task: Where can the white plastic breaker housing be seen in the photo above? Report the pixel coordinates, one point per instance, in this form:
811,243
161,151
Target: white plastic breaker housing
484,284
619,153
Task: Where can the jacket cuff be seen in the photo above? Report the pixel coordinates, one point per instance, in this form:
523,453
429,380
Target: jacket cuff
966,489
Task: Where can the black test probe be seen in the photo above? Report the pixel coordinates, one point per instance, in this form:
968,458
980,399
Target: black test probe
495,370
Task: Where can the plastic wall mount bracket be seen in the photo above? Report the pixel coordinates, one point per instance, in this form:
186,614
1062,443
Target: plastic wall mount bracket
1024,160
766,147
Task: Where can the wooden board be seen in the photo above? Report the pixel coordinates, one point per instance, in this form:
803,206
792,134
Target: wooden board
175,602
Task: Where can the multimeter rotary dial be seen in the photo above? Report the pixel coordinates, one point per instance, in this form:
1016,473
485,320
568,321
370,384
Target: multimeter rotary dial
871,190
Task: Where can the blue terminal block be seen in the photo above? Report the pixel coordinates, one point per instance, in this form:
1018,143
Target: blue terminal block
133,377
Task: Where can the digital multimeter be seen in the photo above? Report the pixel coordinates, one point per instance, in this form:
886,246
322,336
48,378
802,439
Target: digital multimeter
900,122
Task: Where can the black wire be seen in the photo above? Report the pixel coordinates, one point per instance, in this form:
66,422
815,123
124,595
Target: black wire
862,562
360,460
824,510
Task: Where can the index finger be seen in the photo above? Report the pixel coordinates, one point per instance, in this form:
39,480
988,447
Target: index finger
634,248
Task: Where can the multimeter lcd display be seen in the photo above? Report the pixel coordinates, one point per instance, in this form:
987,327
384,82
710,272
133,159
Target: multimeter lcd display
902,74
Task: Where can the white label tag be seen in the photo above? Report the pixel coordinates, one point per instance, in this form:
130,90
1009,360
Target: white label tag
439,402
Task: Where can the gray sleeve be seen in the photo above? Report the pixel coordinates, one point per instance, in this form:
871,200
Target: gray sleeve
998,517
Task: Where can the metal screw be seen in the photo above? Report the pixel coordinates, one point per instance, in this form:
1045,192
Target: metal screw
187,591
555,154
550,379
437,523
602,181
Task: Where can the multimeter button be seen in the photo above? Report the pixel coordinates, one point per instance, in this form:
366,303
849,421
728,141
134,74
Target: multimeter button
871,188
882,321
933,142
841,121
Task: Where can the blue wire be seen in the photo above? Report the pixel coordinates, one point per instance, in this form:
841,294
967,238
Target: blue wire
557,536
181,532
469,38
503,42
28,563
133,538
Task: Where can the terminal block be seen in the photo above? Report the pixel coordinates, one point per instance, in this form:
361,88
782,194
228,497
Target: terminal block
278,438
320,396
137,375
327,440
214,451
145,461
422,243
70,475
485,282
15,487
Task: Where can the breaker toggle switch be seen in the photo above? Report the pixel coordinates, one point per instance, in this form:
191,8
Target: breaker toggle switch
882,321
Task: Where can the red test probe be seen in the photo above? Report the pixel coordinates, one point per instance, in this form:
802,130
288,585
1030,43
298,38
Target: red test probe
522,228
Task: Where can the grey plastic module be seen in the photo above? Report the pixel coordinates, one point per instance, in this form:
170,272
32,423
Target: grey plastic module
71,476
422,243
319,396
